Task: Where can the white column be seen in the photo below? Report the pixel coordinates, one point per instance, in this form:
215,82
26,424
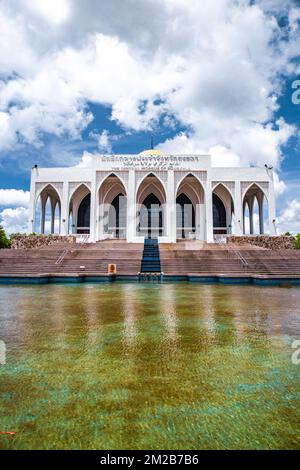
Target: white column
100,212
202,228
59,217
209,213
93,224
32,202
43,213
52,223
238,210
261,215
170,209
131,207
64,212
251,204
100,219
98,216
272,209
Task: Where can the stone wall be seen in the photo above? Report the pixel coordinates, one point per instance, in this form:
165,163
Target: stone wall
20,241
281,242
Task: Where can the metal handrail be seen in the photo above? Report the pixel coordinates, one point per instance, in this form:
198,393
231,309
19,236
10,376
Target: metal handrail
61,256
242,259
238,255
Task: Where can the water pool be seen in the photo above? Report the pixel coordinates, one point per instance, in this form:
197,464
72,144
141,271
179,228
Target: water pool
149,366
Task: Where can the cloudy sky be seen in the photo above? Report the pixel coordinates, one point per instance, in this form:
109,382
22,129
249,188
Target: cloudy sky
79,77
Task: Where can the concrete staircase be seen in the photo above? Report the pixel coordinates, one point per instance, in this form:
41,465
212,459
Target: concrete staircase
229,261
277,262
130,258
73,259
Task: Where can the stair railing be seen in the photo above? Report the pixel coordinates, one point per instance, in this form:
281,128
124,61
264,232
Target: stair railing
61,256
242,259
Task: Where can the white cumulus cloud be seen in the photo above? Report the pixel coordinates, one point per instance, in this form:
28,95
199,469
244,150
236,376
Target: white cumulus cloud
14,197
54,11
86,160
216,69
289,218
14,220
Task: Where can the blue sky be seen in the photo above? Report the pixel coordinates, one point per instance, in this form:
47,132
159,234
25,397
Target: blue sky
87,76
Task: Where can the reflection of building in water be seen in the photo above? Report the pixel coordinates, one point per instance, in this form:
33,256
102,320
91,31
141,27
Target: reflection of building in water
129,307
91,315
206,304
168,196
2,353
168,311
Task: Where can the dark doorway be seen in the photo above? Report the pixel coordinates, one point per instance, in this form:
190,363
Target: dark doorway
151,217
219,215
117,216
83,218
185,216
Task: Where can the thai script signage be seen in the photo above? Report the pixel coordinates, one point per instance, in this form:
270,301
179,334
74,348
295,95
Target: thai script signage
151,162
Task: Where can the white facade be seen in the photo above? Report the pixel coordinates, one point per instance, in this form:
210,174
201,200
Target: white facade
151,194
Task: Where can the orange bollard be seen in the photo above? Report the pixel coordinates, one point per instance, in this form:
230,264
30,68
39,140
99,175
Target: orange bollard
112,269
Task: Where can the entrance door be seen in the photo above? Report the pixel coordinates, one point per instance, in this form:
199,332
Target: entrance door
151,217
83,217
185,217
117,217
219,216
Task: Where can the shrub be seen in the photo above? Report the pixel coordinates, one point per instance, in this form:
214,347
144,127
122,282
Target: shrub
297,242
4,241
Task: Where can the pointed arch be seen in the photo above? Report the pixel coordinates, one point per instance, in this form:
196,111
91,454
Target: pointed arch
112,175
80,187
190,175
254,192
80,208
109,187
151,183
46,201
190,198
151,199
221,186
49,188
254,186
153,176
112,207
223,209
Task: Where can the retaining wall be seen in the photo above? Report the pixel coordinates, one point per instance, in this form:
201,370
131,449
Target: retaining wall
281,242
36,241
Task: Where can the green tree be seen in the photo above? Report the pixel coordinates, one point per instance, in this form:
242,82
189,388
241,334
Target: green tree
4,241
297,242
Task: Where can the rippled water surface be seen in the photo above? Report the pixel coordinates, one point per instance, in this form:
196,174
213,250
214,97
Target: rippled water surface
149,366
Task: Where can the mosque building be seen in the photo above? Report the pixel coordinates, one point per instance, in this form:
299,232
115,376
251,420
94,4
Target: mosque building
152,194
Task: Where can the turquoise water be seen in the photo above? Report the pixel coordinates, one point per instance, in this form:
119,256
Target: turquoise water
149,366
